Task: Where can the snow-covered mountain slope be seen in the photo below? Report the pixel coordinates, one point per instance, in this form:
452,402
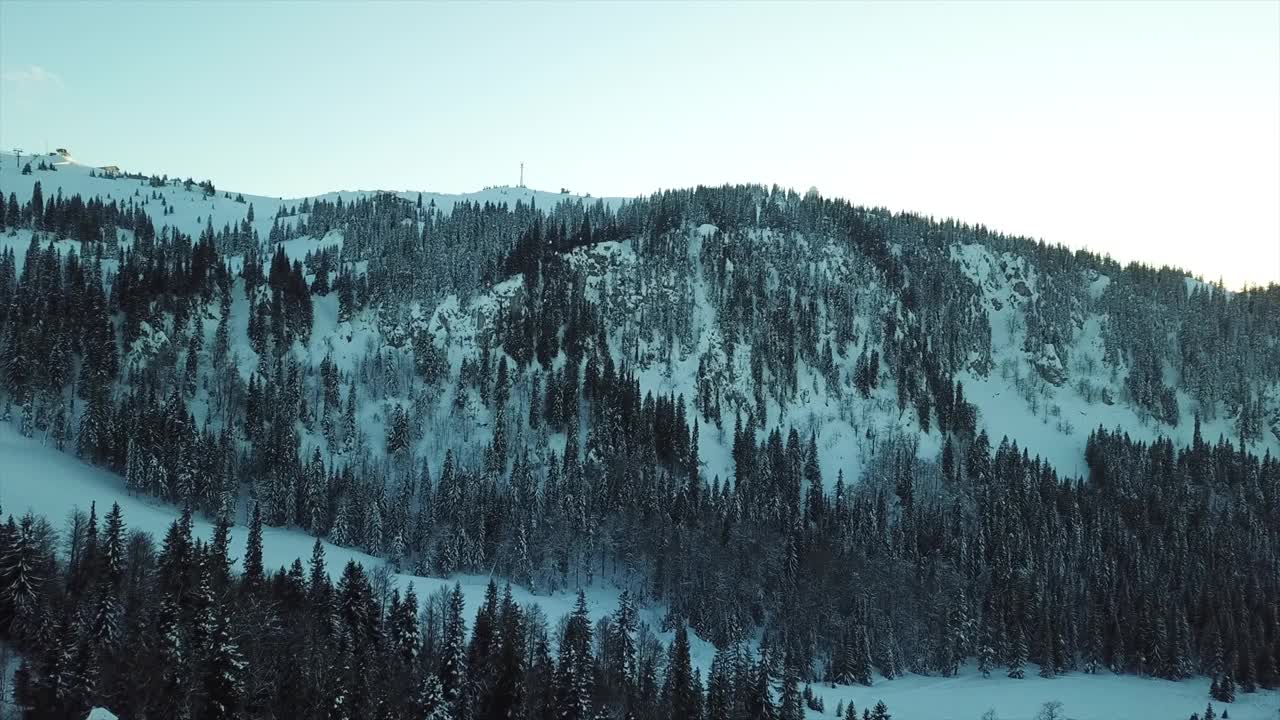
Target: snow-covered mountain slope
43,481
769,416
51,484
1050,418
191,208
1054,418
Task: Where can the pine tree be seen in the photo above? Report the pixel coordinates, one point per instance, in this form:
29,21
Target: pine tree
679,692
986,649
790,706
452,670
253,571
429,703
113,550
860,657
21,581
191,369
1226,688
482,650
405,627
224,671
541,702
1046,648
398,432
510,688
574,673
222,336
105,625
59,687
175,681
350,431
759,704
1018,658
720,689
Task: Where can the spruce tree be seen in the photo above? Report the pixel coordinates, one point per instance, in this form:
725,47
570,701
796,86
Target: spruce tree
720,689
253,572
679,692
573,675
224,671
759,704
452,669
1018,657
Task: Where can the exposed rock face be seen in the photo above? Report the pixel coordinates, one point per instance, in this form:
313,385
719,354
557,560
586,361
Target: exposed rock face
1049,365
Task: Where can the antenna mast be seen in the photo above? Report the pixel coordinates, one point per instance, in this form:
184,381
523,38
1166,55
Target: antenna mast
521,174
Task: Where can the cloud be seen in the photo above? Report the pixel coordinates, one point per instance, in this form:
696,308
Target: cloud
31,77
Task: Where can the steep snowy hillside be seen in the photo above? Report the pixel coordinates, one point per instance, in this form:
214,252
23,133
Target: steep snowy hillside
1046,399
829,441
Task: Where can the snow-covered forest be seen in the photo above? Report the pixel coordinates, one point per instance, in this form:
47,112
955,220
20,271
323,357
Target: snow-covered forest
831,444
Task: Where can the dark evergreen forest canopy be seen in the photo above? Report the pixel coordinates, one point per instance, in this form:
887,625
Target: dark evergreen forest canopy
535,444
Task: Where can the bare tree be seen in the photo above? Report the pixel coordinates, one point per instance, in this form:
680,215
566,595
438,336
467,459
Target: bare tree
1051,710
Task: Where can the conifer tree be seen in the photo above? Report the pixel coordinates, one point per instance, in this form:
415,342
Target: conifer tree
573,674
679,691
1018,656
452,670
759,704
224,671
253,570
790,705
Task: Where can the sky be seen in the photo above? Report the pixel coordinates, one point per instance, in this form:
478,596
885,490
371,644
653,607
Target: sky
1147,131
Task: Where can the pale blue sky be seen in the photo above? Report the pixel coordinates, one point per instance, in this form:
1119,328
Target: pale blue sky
1146,130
